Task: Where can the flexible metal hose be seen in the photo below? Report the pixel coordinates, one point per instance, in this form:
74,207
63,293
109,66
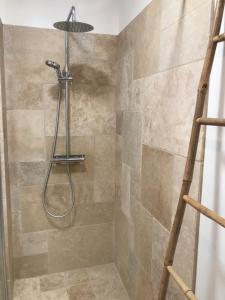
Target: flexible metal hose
70,209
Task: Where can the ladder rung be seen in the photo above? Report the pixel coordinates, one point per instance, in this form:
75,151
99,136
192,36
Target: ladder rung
211,121
205,211
185,289
219,38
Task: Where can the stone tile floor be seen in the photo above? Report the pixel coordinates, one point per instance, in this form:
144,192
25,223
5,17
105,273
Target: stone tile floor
96,283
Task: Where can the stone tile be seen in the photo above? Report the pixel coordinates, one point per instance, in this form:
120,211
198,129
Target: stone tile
138,90
170,96
118,160
52,282
146,40
159,243
80,247
119,122
87,284
94,72
76,277
23,95
81,172
143,226
56,294
82,47
132,139
155,279
26,289
84,192
81,292
25,135
104,157
36,45
189,36
104,190
33,216
95,213
128,271
93,110
174,10
106,283
105,47
157,188
144,286
16,234
135,194
33,71
125,189
90,213
32,39
30,266
27,173
34,243
50,94
195,190
15,199
124,81
58,198
121,234
104,185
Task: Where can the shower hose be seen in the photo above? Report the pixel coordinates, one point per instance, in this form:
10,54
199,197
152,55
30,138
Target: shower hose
72,193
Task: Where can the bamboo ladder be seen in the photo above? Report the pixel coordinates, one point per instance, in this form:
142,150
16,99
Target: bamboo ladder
184,199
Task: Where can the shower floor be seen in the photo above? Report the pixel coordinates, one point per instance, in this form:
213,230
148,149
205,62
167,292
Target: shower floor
96,283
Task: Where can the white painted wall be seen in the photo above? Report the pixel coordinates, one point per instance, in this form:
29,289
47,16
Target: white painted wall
211,258
102,14
107,16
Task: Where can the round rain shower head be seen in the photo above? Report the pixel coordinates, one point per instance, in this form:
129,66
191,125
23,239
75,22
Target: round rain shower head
73,26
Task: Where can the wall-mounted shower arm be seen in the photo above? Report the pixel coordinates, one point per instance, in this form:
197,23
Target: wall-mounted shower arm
72,14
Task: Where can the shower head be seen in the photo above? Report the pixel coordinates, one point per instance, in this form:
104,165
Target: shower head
73,26
52,64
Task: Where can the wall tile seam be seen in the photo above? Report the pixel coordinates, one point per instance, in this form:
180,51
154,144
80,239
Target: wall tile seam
174,68
188,14
77,227
53,29
71,228
158,13
53,184
172,153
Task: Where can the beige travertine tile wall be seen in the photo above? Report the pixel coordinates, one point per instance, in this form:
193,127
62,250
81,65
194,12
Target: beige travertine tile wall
43,246
159,63
6,264
145,94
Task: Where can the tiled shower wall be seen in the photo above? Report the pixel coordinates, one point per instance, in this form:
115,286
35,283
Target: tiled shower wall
160,59
46,246
146,96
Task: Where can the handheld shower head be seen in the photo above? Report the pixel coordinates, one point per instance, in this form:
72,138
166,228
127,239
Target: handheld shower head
54,65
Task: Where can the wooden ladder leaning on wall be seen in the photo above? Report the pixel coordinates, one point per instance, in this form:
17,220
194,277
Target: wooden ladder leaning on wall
184,198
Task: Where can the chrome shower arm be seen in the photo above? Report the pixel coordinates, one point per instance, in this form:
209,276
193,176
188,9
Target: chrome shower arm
72,14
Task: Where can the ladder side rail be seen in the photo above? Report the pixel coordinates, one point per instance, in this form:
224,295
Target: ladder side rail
192,150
